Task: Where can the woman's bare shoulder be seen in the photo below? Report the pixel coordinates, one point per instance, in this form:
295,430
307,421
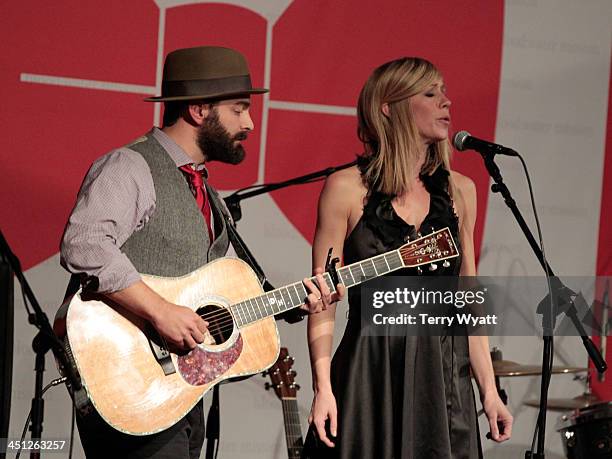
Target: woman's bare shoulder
349,177
463,184
346,184
343,195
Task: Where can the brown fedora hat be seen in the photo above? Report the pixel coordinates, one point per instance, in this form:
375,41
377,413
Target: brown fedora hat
205,72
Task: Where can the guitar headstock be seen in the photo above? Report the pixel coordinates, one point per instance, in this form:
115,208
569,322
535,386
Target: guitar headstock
433,247
282,376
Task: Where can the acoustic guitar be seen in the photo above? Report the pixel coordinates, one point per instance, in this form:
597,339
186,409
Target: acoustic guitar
140,387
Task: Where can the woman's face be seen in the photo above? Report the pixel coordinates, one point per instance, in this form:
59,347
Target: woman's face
430,112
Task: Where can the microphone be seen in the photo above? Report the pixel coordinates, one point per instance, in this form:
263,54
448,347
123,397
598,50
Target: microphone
464,141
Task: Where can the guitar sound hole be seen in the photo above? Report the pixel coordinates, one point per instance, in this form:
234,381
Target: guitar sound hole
220,322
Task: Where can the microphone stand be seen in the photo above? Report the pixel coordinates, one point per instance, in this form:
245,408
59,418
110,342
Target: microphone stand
233,200
559,291
44,341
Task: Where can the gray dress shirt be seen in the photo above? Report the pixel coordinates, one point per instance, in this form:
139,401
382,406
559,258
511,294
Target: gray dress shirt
116,199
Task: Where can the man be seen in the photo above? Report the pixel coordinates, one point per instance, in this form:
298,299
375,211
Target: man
135,214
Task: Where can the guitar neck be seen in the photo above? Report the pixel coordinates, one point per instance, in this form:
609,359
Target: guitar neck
294,295
293,428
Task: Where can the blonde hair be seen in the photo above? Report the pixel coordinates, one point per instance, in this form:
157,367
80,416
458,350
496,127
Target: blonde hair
391,142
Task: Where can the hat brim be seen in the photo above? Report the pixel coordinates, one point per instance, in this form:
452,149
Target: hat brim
220,95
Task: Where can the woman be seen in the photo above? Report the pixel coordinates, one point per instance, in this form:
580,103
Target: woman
398,396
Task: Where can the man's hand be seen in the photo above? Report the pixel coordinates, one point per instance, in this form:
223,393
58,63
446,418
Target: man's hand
320,298
179,325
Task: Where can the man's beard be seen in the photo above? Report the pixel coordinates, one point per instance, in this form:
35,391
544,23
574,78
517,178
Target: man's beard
217,144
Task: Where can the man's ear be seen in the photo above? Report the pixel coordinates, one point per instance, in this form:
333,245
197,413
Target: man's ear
386,110
199,112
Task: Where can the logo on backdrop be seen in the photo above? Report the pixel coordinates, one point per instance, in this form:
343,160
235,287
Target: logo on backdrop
75,91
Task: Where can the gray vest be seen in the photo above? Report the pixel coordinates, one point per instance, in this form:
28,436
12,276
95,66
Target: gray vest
175,240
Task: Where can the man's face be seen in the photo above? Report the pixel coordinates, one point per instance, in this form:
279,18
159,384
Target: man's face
226,126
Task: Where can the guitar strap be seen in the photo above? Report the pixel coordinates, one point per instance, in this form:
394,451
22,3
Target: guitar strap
244,253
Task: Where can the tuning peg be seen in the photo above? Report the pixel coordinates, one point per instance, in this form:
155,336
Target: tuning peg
446,264
289,359
264,373
292,373
433,267
419,234
419,270
407,239
267,386
295,386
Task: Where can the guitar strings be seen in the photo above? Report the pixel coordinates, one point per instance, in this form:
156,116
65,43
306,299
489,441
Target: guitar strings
223,319
223,324
222,312
367,271
293,426
226,311
220,321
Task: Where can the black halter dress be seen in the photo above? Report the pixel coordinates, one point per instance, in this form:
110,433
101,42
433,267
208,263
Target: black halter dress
401,397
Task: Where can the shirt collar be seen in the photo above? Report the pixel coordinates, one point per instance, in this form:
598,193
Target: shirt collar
177,154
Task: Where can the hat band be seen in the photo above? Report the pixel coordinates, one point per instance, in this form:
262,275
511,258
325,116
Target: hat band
203,88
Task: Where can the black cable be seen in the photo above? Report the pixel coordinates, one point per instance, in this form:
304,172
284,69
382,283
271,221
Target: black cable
72,431
55,382
23,434
537,429
552,311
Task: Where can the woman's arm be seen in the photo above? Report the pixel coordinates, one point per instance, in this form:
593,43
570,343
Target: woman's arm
332,223
480,358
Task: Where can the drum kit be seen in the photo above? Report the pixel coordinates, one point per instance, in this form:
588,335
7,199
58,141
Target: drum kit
586,423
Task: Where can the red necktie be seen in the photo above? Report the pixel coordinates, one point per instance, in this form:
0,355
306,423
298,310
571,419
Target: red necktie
201,197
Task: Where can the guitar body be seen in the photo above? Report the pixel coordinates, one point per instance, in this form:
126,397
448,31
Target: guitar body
123,378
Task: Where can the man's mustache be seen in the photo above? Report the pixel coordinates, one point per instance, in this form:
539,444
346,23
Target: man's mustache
241,136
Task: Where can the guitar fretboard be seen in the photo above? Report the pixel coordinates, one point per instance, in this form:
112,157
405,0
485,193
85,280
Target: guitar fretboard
293,428
293,295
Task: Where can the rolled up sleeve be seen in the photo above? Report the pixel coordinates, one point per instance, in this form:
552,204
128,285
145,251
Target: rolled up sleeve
116,198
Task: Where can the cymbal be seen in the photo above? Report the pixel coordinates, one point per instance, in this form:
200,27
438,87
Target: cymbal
566,404
509,368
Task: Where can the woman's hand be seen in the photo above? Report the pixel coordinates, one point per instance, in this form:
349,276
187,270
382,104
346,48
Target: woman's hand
498,415
324,408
